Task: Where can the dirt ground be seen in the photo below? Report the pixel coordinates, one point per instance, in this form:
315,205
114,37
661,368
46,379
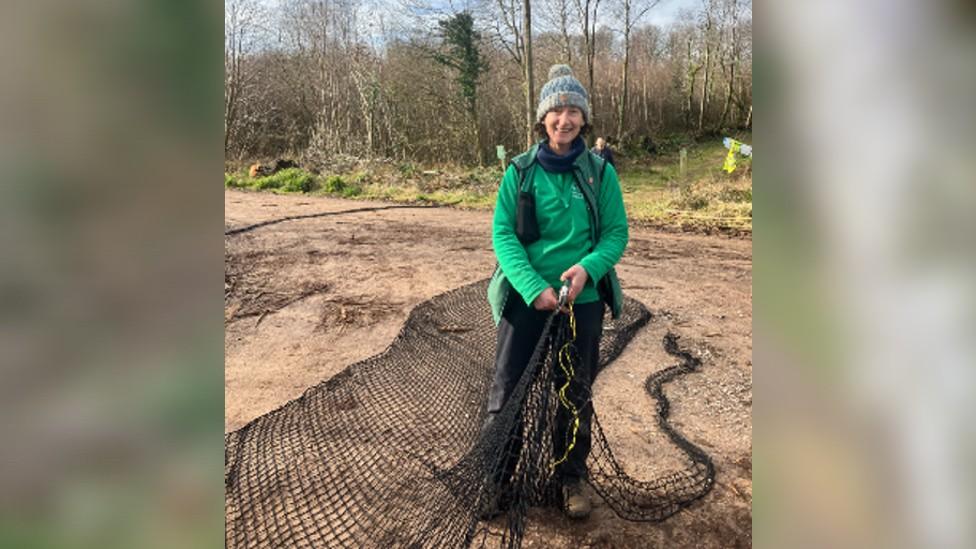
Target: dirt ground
307,296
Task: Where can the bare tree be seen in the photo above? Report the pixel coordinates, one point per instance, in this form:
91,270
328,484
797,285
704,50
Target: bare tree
512,25
744,95
708,27
633,12
587,11
645,42
365,75
731,58
691,70
241,21
558,16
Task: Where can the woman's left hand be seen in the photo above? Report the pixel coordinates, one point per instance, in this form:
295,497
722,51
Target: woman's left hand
578,277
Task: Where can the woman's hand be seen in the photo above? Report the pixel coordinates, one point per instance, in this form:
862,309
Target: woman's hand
546,301
578,277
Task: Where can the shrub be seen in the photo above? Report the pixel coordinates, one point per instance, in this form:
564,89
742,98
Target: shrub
291,180
673,143
270,182
297,181
689,199
233,181
736,195
351,191
334,184
362,178
407,169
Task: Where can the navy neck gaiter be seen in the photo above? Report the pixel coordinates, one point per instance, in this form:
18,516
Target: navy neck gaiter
552,162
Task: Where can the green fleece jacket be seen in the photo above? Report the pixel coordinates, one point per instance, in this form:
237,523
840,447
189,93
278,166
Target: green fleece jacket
564,225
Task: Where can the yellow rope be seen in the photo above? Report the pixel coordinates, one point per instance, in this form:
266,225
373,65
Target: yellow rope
566,363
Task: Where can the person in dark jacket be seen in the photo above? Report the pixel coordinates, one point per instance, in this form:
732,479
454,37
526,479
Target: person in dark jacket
563,250
602,149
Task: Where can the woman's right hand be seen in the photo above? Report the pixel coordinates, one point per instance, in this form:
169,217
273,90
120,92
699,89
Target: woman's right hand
547,301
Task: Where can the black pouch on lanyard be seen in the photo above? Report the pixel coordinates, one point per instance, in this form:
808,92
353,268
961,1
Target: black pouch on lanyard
526,224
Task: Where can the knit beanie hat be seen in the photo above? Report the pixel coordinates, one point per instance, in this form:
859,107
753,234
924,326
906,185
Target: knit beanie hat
563,90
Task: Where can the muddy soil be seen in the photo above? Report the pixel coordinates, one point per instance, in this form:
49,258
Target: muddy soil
312,286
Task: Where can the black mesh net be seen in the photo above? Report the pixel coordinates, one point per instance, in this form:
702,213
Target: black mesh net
394,450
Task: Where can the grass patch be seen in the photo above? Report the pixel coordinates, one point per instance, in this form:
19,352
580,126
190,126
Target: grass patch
704,197
655,191
234,181
291,180
714,203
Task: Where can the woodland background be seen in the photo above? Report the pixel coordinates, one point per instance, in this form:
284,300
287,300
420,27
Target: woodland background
446,83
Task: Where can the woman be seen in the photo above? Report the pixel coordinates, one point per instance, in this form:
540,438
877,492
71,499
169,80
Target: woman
559,241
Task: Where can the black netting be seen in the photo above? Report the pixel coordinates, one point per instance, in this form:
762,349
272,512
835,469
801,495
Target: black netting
393,451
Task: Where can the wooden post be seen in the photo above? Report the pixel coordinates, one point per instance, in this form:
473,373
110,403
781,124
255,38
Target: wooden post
683,166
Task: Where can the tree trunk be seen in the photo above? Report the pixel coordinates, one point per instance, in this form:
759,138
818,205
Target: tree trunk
706,84
728,96
690,78
476,127
584,14
734,58
591,54
232,81
370,110
564,30
704,95
622,112
529,85
366,89
589,36
230,108
234,84
646,120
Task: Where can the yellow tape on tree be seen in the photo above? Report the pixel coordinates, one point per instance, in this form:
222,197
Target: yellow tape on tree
729,165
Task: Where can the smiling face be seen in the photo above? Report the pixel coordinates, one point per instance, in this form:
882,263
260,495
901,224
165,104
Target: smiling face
563,124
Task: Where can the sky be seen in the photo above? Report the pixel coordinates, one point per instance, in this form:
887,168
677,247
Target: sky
662,14
667,11
394,13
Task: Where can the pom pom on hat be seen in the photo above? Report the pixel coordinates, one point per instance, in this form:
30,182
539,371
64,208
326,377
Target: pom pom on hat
560,70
